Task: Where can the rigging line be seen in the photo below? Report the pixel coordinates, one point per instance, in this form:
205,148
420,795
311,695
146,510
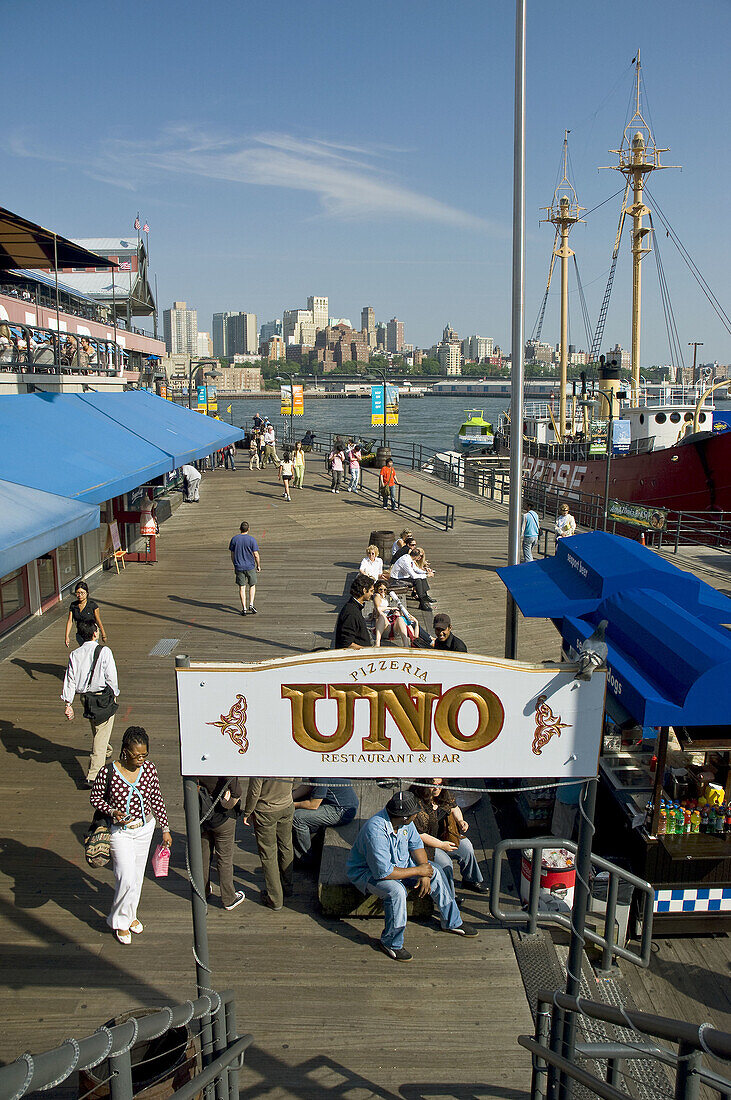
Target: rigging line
588,212
582,299
670,311
672,345
690,263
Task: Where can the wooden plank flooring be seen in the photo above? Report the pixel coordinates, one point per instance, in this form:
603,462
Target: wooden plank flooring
330,1015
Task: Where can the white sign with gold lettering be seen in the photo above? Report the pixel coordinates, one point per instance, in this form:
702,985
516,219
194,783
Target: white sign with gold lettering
389,712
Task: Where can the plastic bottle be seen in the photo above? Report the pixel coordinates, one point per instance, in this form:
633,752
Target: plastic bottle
704,818
727,823
686,820
678,819
695,822
662,821
720,820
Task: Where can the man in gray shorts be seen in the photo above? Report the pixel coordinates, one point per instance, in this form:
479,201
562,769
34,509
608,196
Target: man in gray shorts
246,562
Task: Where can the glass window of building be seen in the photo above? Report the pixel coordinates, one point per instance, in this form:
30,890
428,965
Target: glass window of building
69,568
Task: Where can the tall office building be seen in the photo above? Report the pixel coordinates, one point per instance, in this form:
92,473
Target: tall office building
477,348
292,320
368,319
220,346
268,330
242,335
381,335
395,336
180,327
318,307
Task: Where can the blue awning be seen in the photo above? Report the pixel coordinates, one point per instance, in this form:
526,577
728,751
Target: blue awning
33,522
93,447
60,444
588,568
665,666
669,652
183,434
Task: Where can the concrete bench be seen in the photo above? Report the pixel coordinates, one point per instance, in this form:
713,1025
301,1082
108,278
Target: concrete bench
338,897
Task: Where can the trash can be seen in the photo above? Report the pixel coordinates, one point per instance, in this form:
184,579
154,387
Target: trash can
159,1067
381,455
558,879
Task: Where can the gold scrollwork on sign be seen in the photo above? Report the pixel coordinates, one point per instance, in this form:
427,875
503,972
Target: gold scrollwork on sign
547,724
233,724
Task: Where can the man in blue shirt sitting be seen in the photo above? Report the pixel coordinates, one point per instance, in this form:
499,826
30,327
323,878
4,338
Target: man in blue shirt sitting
317,804
389,856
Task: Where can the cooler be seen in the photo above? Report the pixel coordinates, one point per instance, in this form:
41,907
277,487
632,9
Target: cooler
558,878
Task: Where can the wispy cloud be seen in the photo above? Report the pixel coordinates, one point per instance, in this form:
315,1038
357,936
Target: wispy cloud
350,181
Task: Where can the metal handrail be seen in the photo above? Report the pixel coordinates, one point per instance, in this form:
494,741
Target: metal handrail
609,947
692,1040
402,500
29,1073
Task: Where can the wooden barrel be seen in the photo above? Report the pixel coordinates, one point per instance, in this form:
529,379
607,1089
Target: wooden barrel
381,455
384,540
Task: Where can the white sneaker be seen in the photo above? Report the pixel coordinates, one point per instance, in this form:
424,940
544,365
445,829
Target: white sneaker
240,896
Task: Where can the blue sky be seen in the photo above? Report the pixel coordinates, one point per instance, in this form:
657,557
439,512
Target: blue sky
364,151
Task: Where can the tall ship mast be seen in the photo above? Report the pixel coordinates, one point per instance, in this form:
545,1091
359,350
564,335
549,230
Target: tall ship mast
564,214
638,156
656,444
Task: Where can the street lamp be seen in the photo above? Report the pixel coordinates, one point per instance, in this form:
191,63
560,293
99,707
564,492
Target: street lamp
588,404
213,373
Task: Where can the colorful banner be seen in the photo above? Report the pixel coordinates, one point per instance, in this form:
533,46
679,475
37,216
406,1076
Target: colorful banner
637,515
201,398
392,397
403,715
621,437
285,397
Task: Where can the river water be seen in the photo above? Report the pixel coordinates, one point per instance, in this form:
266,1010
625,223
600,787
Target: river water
431,421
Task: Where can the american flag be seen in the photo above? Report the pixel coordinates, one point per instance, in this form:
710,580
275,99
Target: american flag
137,223
126,266
145,228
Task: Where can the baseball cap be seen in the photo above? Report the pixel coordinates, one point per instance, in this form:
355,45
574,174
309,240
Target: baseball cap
403,804
441,619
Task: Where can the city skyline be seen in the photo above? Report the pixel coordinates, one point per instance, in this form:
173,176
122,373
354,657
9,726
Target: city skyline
388,178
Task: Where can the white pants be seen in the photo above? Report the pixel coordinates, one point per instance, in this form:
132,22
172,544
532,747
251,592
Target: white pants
130,849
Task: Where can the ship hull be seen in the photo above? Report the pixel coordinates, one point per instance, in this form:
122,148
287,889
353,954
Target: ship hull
693,476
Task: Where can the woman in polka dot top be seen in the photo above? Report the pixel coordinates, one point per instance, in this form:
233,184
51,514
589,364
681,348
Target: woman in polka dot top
128,791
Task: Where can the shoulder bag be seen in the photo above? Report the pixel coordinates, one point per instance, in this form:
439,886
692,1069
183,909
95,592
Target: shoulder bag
98,839
98,705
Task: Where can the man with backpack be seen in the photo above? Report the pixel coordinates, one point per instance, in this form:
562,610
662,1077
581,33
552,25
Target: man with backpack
218,798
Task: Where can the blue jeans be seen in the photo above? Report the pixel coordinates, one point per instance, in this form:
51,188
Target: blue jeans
529,545
389,493
392,893
354,480
308,822
465,857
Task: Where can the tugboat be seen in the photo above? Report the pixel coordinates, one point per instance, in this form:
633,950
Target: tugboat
476,435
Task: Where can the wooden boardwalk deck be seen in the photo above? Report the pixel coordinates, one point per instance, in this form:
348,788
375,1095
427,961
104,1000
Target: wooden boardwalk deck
330,1015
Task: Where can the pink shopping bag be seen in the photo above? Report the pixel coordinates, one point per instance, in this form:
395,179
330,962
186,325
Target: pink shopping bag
161,861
